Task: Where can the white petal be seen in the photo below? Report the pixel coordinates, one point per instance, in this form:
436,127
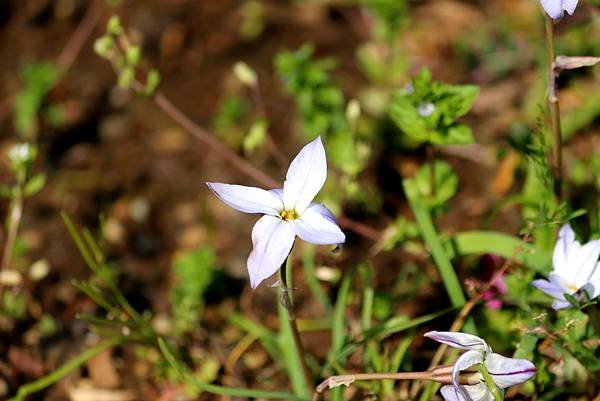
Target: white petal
272,239
554,8
452,393
551,288
584,264
465,361
305,177
317,226
476,392
558,304
565,250
458,340
247,199
569,6
509,371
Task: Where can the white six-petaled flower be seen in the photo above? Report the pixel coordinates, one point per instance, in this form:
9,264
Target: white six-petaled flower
576,270
288,212
505,372
556,8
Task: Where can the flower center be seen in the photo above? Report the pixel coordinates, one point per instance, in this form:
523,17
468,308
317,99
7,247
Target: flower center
288,215
573,287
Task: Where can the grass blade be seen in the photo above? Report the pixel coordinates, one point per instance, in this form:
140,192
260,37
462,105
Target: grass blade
440,257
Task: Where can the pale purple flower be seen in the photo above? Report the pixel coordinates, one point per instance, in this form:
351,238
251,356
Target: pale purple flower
288,212
556,8
576,270
505,371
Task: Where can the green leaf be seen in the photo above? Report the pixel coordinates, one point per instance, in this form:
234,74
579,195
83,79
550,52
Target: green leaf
466,96
440,257
133,55
126,76
457,134
446,183
504,245
34,184
406,117
256,135
152,82
339,327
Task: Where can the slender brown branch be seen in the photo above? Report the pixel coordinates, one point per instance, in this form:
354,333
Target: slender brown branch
439,374
212,142
14,221
554,108
69,53
262,111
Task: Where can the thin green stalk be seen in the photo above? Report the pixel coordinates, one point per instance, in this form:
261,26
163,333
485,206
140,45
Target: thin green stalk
291,343
431,161
489,382
554,108
217,389
64,370
440,257
338,327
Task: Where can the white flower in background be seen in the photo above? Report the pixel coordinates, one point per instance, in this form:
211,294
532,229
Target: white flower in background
556,8
19,153
426,109
576,270
288,212
504,371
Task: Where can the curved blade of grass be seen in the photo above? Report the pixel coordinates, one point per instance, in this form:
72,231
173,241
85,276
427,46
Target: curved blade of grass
395,361
267,338
220,390
394,325
479,242
338,327
291,356
440,257
68,367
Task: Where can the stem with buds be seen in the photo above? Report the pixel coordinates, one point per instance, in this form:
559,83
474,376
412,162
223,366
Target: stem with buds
554,108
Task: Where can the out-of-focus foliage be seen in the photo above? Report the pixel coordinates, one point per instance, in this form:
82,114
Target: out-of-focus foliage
426,111
321,105
38,79
193,274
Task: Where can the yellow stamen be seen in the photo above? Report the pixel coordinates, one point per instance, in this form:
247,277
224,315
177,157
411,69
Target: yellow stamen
288,214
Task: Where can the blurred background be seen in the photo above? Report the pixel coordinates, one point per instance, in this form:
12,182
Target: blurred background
120,167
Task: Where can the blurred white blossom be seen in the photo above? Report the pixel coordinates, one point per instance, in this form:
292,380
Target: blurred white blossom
576,270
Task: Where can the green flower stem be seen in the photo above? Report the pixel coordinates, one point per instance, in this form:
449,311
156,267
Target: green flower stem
290,329
554,109
430,149
489,382
48,380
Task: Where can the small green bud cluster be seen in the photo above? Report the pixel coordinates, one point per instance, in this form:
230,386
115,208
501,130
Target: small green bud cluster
125,57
